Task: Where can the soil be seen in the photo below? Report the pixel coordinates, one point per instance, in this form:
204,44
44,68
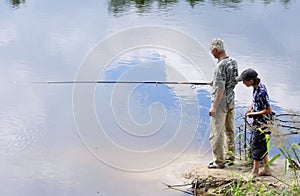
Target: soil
199,180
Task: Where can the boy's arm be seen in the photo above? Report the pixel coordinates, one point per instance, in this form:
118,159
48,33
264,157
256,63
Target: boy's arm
268,110
250,109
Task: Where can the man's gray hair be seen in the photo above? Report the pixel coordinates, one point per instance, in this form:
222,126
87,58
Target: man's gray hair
218,44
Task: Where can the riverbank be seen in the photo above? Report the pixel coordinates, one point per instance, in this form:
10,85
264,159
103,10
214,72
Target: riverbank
220,181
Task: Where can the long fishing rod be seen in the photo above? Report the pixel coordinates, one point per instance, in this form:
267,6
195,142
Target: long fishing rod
119,82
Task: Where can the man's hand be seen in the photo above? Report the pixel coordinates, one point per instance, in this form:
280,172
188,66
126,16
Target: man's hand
212,111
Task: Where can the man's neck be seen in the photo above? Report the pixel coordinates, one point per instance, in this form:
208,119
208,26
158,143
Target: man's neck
222,56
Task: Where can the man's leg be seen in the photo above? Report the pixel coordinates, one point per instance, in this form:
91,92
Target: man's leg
230,135
216,138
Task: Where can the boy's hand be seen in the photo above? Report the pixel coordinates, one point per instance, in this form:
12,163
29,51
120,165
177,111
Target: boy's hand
250,114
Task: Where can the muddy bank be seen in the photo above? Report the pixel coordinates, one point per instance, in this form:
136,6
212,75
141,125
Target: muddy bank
199,180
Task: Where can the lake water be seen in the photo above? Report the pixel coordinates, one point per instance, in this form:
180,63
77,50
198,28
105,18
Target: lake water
124,139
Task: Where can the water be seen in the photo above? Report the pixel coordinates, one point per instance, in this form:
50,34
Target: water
124,139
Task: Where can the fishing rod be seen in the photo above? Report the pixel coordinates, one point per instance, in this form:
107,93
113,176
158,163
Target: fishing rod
119,82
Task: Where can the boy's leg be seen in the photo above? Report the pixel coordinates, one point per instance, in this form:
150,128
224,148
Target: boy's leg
258,150
267,170
255,169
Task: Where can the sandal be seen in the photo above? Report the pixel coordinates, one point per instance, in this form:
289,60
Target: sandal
215,166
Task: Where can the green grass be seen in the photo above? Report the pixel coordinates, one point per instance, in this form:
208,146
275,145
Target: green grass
291,155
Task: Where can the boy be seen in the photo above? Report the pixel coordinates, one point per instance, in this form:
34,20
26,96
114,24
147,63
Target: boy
260,110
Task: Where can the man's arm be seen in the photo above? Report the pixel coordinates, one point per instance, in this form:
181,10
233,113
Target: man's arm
215,104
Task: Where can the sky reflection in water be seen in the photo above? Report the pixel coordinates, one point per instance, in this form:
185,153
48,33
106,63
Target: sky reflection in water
41,150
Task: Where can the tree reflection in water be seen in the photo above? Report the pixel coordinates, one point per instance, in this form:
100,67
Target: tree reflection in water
16,3
121,6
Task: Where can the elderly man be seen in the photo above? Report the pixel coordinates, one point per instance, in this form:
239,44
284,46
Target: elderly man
222,123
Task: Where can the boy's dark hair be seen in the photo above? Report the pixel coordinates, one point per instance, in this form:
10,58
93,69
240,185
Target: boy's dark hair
256,81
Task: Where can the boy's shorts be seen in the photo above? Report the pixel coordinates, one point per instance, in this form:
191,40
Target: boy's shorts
259,145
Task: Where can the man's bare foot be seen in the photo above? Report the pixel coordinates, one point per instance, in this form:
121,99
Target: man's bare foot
265,173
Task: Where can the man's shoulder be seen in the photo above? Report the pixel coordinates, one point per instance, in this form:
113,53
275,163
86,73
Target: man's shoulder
231,60
228,61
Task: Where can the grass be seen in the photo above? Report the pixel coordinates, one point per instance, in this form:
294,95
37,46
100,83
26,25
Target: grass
259,188
286,179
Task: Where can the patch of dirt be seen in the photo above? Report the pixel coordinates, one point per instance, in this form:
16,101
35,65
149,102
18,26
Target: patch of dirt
200,180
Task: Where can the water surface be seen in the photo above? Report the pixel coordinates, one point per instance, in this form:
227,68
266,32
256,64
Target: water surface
44,149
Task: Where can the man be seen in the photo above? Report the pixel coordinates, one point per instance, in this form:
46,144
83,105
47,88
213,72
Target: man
222,107
261,112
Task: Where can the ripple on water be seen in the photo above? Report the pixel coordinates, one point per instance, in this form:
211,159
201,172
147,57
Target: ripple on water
18,130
